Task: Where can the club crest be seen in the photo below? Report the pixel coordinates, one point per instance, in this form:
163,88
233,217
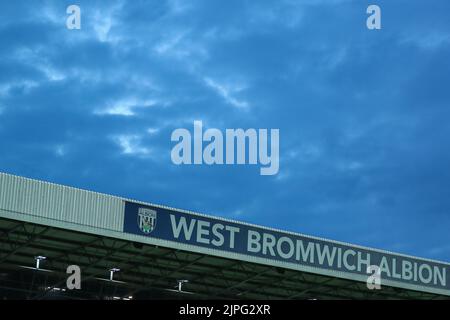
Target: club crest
147,220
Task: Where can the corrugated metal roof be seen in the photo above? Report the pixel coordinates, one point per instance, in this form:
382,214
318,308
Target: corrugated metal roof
37,198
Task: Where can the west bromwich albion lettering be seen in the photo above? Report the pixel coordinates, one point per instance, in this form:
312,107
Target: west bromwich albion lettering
346,259
274,245
205,232
268,244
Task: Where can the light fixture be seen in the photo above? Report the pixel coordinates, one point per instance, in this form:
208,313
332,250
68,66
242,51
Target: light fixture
180,284
111,273
38,260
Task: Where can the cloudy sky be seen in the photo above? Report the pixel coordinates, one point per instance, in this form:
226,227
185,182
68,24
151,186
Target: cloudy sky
363,115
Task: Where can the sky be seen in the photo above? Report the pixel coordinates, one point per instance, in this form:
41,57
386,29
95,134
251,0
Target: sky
363,115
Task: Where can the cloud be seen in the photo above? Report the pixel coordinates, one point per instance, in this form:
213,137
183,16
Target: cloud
104,20
131,145
153,131
428,41
60,151
25,85
226,92
125,107
179,6
170,43
52,74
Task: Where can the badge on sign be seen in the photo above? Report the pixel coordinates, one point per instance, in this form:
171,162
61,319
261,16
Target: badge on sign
147,220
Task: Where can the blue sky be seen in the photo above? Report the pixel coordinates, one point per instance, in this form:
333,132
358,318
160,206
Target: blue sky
363,115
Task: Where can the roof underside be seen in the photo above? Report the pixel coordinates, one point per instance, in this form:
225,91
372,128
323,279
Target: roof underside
151,272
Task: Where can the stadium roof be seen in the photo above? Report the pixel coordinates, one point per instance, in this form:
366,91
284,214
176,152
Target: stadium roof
155,247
